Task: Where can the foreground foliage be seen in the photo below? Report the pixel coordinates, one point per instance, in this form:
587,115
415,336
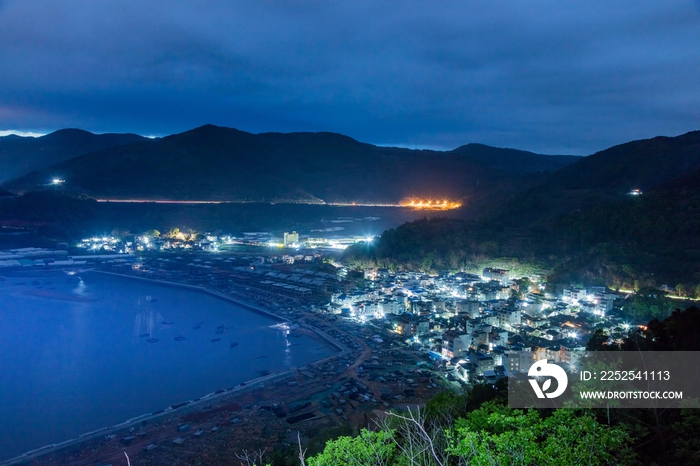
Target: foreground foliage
490,435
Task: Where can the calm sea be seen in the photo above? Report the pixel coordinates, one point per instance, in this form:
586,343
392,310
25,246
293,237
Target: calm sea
75,355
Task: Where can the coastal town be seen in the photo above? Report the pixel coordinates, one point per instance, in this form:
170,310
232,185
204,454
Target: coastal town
401,338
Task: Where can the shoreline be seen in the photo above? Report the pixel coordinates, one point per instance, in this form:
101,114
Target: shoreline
175,408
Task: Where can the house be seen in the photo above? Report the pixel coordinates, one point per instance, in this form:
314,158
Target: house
471,307
500,275
392,306
411,326
484,363
518,361
508,317
383,274
455,344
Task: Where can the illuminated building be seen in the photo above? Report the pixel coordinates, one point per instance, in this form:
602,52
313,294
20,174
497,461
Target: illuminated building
291,238
430,204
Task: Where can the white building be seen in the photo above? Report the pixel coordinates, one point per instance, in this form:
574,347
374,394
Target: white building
470,307
501,275
455,345
509,318
392,306
518,361
291,238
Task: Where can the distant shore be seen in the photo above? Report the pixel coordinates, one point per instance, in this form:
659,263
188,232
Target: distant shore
233,201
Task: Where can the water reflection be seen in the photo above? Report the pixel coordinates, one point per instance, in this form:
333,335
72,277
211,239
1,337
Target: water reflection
85,362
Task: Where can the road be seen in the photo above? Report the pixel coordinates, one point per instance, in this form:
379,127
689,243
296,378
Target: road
175,201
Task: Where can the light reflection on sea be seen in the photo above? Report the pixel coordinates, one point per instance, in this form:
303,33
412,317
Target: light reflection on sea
75,355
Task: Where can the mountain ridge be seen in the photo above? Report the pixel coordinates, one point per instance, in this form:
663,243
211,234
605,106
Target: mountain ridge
20,156
581,223
607,175
213,162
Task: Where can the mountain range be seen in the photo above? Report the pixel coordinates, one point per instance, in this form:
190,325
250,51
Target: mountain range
576,216
608,175
628,216
22,155
217,163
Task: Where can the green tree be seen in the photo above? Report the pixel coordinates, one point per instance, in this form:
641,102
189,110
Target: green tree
687,442
599,341
368,448
681,290
496,435
647,304
492,435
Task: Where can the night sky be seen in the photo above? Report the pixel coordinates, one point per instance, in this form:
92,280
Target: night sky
548,76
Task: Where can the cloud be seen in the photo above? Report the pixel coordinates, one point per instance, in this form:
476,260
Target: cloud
21,133
547,76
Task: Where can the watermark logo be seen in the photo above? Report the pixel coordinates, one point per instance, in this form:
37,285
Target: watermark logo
542,369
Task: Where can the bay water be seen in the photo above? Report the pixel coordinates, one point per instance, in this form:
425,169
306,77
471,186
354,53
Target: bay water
78,352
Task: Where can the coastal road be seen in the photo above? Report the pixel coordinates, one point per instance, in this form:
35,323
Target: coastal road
160,201
177,201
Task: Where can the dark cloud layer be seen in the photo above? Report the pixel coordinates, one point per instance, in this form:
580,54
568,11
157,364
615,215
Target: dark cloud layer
548,76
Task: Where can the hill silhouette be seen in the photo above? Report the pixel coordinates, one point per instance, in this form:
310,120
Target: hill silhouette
22,155
212,162
605,176
514,161
580,222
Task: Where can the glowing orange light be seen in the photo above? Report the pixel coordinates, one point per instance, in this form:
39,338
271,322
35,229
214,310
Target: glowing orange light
431,204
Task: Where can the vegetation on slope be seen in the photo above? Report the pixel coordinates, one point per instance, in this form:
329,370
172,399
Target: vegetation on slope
624,241
606,176
492,434
56,215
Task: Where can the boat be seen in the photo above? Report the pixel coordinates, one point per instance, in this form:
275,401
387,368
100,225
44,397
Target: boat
179,338
233,344
215,340
167,322
152,340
